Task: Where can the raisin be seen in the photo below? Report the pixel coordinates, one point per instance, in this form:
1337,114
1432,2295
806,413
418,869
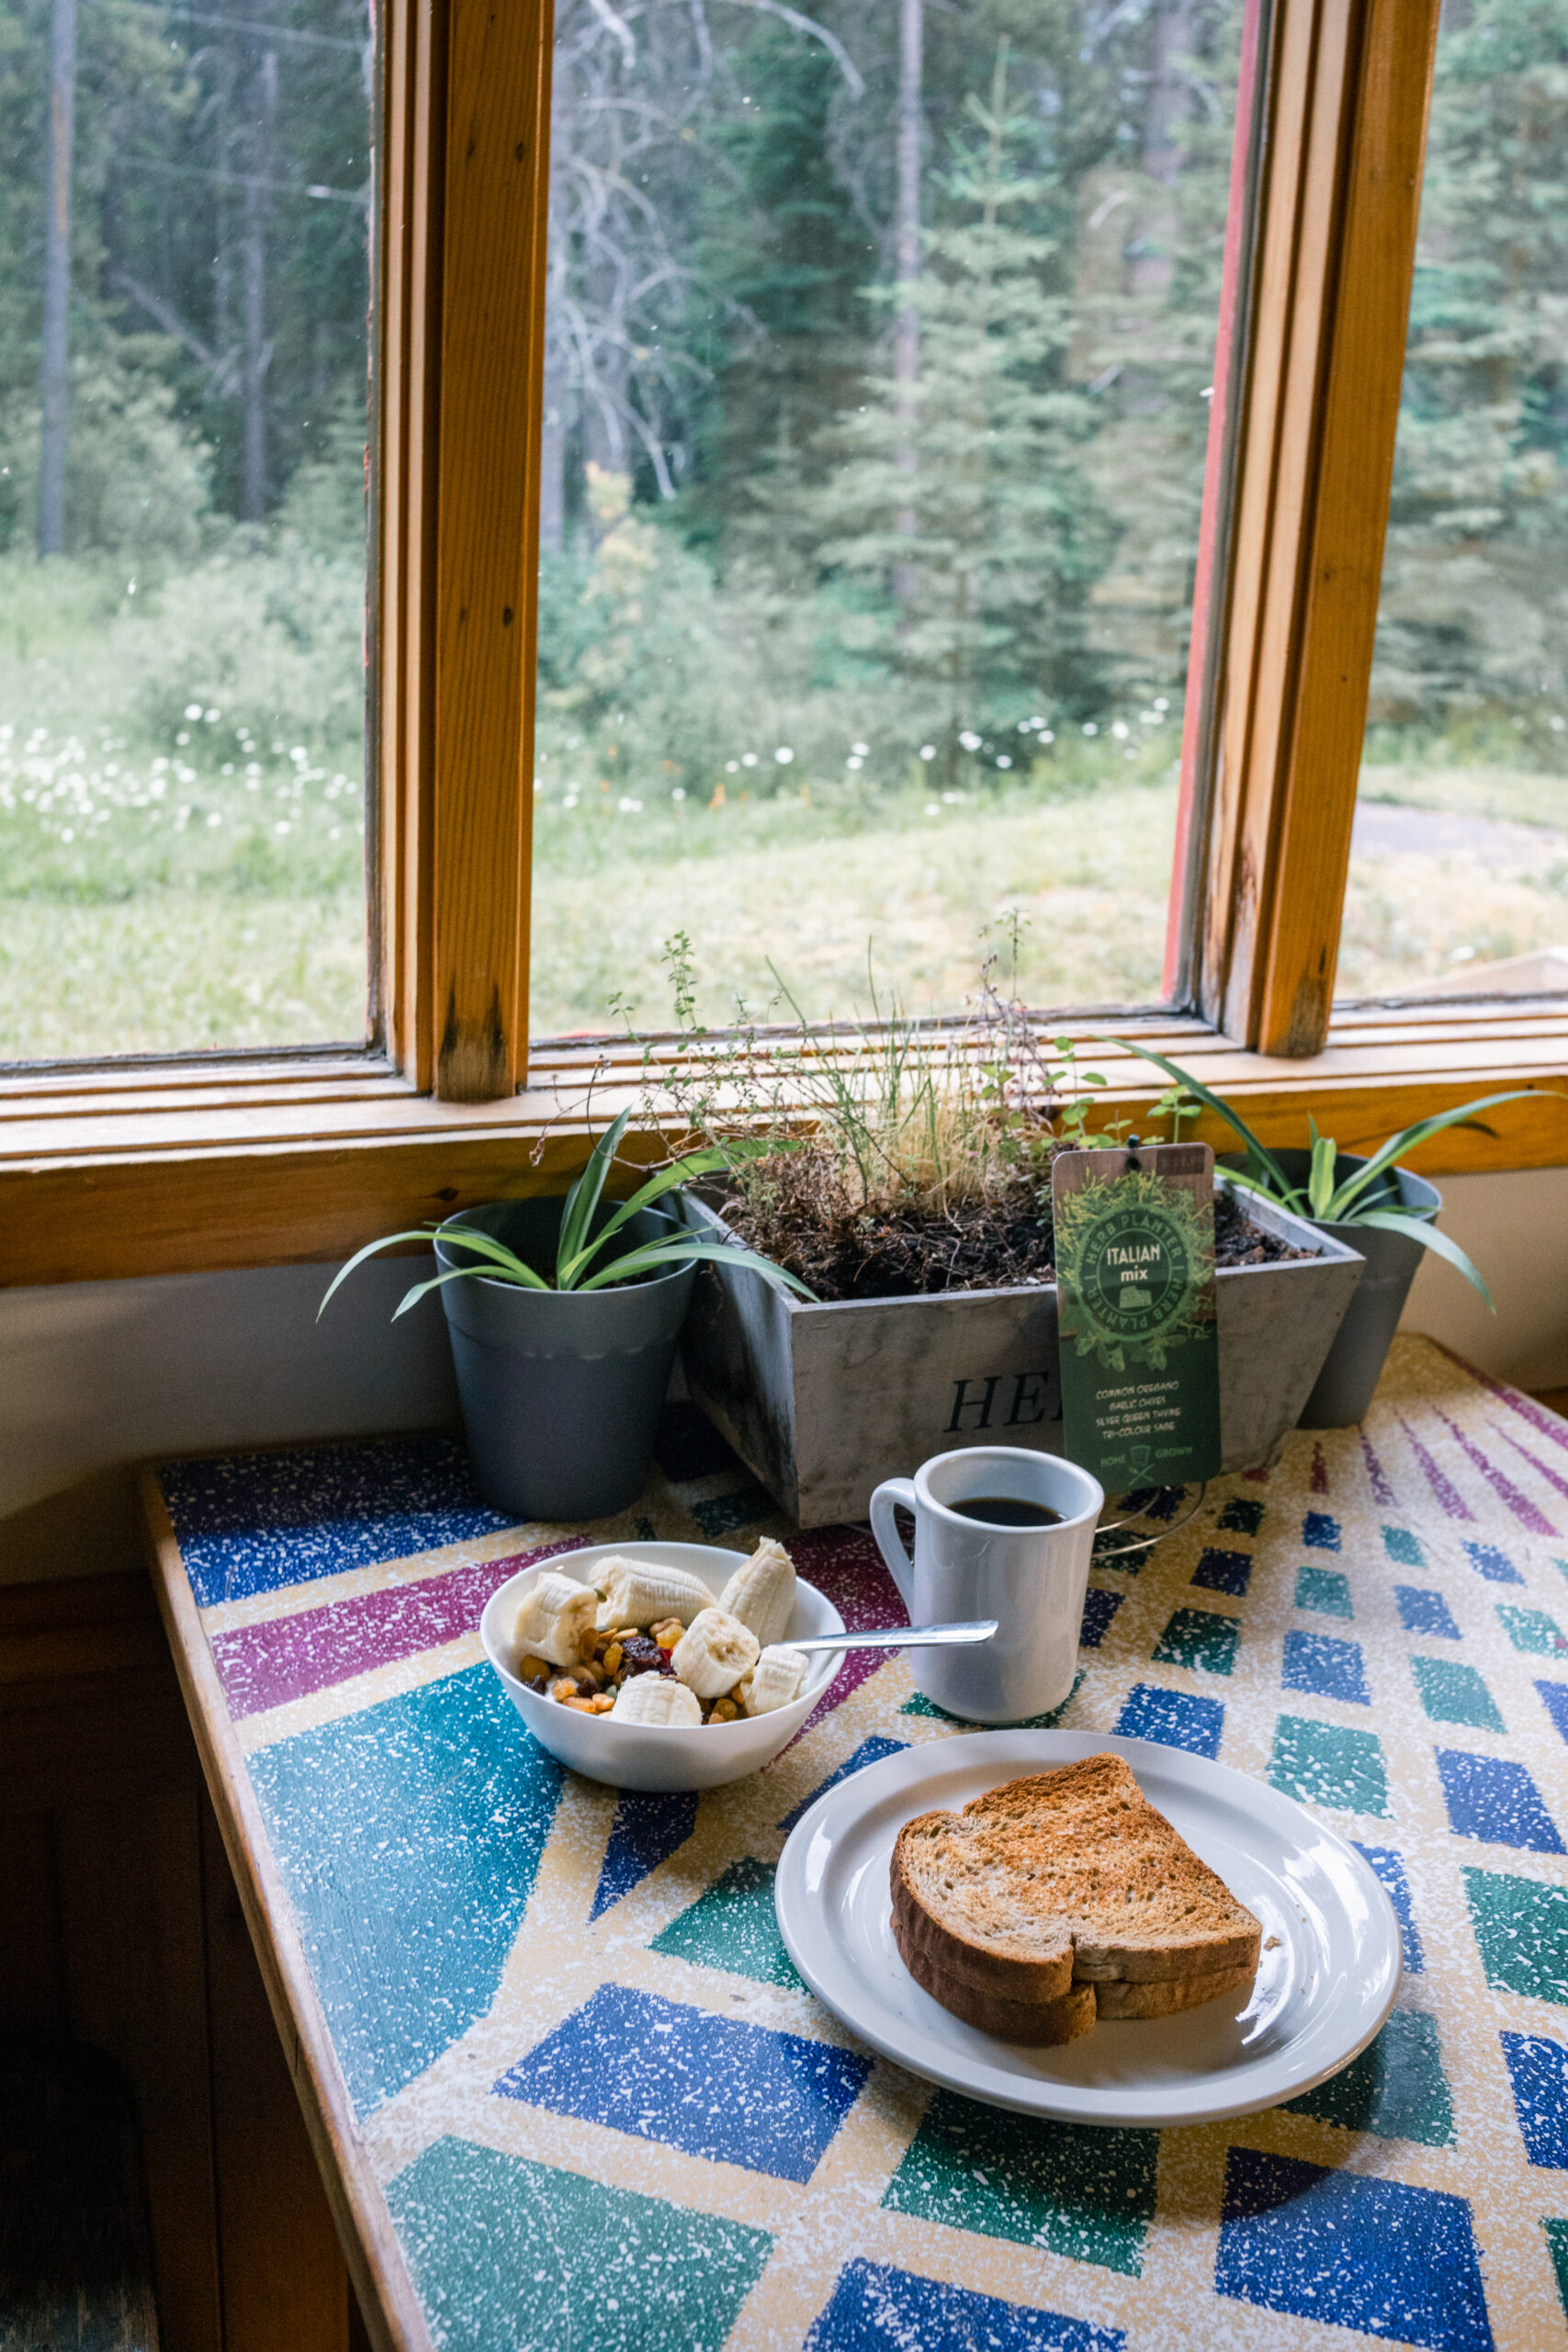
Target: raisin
640,1655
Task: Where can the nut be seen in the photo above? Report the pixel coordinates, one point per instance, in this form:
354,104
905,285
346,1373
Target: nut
603,1704
563,1688
582,1706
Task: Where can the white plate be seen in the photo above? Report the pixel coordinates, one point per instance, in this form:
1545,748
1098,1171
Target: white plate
1328,1979
660,1755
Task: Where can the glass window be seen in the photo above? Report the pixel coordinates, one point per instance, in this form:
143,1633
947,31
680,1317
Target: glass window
880,352
1458,870
184,277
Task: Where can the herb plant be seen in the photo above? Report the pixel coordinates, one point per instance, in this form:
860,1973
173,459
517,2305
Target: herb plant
1364,1197
887,1156
576,1250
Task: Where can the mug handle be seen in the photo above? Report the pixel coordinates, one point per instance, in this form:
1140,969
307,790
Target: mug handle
894,1493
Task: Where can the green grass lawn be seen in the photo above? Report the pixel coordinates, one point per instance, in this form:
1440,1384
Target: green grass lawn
182,845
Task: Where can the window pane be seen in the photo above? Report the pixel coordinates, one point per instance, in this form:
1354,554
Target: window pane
1458,872
880,348
182,525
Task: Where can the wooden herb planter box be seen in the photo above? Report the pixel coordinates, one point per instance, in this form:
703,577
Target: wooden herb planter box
823,1402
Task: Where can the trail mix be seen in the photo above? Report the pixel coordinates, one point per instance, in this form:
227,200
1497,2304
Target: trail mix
649,1644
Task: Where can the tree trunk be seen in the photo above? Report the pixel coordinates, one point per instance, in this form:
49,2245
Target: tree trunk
1170,98
552,461
57,281
253,504
906,329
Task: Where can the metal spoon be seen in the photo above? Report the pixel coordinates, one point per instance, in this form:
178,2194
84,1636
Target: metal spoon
901,1637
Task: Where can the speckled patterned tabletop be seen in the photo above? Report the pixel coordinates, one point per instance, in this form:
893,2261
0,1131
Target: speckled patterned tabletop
576,2094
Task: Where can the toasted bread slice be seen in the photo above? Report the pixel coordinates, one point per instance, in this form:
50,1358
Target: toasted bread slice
1038,2024
962,1905
1091,1847
1064,1874
1123,1999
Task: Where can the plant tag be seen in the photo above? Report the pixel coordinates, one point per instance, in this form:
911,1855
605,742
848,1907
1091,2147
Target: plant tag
1135,1310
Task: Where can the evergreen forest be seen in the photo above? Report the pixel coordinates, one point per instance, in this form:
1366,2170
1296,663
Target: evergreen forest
880,347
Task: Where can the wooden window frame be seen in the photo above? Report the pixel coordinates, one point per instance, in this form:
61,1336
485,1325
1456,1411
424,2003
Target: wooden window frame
143,1166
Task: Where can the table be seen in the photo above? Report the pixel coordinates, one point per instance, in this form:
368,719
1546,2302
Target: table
565,2086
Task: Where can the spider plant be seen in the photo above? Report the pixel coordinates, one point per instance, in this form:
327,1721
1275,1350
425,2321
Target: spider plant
581,1261
1362,1197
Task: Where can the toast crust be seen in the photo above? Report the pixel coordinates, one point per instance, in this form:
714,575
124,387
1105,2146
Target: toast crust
962,1911
1036,2024
1070,1875
1128,2000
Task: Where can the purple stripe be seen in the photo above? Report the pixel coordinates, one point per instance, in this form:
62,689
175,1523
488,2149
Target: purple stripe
1453,1502
1544,1423
1381,1490
263,1666
845,1563
1319,1472
1542,1469
1524,1511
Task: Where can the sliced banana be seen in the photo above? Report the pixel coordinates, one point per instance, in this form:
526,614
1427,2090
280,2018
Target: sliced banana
655,1699
555,1619
775,1681
761,1592
638,1593
714,1652
594,1574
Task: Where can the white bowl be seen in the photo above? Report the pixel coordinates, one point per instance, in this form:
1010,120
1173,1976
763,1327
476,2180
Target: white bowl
661,1756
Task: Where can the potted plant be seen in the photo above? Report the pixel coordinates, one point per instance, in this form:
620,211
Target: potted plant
918,1211
1386,1212
563,1315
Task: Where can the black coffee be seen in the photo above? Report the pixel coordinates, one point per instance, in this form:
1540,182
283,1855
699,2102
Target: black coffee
1006,1511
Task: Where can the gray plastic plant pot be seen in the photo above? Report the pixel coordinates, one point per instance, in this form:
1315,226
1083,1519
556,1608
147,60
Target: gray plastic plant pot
1344,1389
561,1389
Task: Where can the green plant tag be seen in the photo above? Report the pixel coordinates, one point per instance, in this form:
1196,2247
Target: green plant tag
1135,1308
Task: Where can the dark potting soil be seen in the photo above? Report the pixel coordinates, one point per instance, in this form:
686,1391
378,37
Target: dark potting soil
990,1244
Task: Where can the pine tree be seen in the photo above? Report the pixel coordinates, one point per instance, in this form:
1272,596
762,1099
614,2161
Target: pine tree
1474,627
1005,534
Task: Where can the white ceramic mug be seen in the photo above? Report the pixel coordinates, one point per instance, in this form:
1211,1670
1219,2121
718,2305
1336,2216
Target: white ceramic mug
1030,1579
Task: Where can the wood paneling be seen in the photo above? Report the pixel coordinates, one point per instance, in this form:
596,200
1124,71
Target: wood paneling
119,1925
131,1909
32,1954
284,2279
492,312
1348,110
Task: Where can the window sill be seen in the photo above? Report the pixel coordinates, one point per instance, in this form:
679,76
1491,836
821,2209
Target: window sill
200,1166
